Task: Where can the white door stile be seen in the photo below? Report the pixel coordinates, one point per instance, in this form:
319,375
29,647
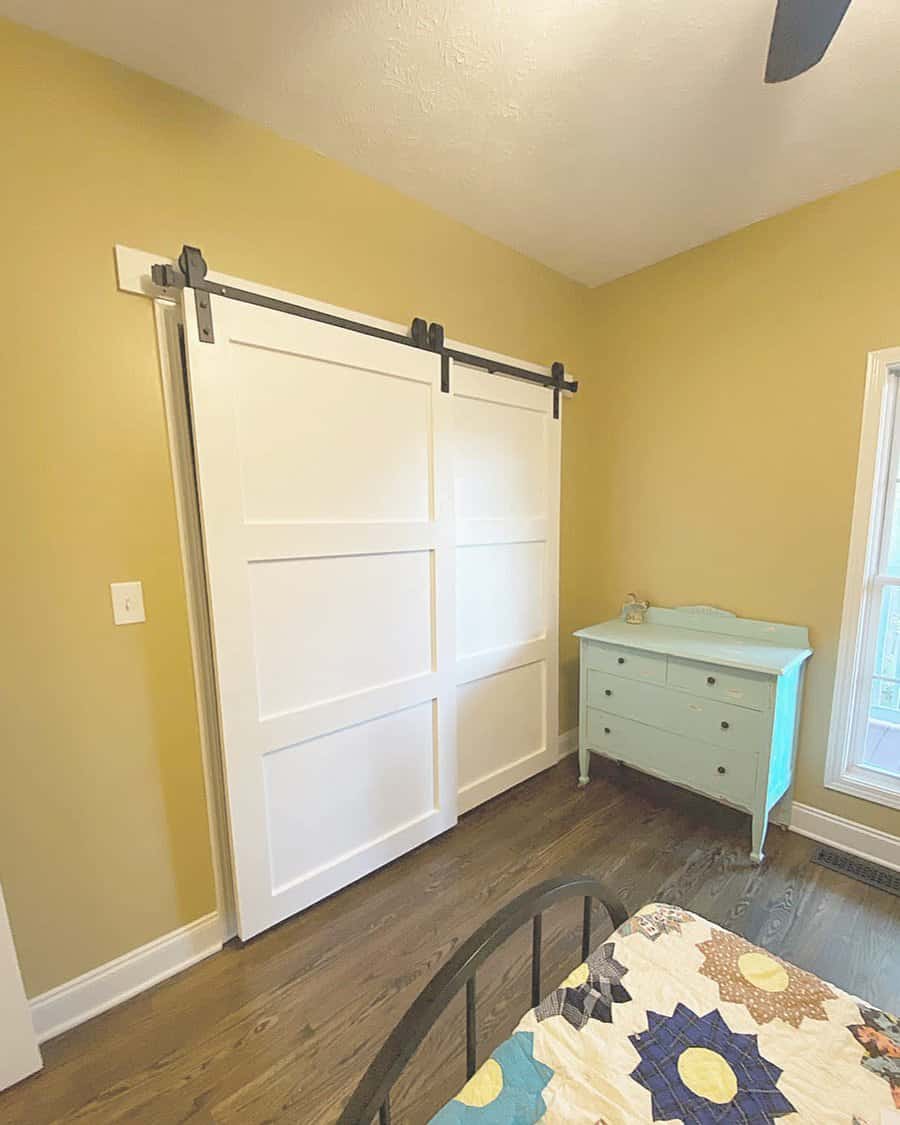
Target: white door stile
333,627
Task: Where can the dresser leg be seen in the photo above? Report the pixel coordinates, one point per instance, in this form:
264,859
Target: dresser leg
584,766
760,823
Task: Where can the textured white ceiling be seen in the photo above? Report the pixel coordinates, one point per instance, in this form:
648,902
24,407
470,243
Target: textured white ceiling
597,136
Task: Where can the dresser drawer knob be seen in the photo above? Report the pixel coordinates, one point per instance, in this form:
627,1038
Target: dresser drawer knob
621,660
608,691
606,730
724,725
721,769
711,680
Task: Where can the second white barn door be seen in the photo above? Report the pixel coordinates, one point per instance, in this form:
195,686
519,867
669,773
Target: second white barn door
506,457
327,508
381,561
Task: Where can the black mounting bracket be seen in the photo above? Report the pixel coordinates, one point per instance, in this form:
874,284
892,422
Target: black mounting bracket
166,276
193,267
558,372
190,273
436,343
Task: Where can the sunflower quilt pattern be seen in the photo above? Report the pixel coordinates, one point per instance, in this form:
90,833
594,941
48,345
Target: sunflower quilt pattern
676,1020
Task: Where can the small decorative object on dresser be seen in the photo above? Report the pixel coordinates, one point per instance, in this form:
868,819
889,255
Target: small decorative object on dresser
698,697
634,611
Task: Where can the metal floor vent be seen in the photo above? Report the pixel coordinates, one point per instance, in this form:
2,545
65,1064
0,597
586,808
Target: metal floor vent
863,870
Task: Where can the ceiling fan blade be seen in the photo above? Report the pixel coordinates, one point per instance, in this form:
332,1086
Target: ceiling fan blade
801,34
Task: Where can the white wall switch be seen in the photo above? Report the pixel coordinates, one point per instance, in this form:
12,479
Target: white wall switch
128,602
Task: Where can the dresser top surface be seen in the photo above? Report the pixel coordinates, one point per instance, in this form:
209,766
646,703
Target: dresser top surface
733,642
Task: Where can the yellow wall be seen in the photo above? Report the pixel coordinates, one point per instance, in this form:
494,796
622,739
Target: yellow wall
719,431
710,455
103,837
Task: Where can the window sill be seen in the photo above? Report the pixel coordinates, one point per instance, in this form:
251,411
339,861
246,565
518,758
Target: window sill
870,785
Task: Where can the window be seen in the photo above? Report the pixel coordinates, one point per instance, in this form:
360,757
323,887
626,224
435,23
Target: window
864,743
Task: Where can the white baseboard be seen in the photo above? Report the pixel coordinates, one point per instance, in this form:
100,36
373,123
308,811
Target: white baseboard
102,988
867,843
568,743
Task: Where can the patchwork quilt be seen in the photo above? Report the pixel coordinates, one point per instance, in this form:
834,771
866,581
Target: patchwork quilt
674,1019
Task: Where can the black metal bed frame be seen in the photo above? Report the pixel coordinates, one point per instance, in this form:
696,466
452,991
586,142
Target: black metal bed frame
373,1094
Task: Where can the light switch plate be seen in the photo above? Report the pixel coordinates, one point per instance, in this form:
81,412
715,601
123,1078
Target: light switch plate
127,602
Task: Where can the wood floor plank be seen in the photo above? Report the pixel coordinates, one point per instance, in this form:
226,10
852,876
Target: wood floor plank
282,1028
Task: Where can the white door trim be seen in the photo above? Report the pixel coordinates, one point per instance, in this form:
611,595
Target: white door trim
187,511
19,1054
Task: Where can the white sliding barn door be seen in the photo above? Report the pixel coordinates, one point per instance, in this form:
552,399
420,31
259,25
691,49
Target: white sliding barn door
506,476
326,489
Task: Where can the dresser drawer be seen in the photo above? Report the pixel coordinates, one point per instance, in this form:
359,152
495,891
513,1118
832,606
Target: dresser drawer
625,662
712,770
708,720
746,689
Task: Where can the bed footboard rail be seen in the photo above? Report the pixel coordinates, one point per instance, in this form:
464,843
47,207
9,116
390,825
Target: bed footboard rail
372,1095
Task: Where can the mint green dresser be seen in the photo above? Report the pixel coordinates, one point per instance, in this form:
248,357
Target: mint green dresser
700,698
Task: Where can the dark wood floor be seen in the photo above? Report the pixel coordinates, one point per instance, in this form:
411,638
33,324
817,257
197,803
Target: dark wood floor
282,1028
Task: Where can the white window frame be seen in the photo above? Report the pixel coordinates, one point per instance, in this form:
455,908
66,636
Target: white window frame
879,454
